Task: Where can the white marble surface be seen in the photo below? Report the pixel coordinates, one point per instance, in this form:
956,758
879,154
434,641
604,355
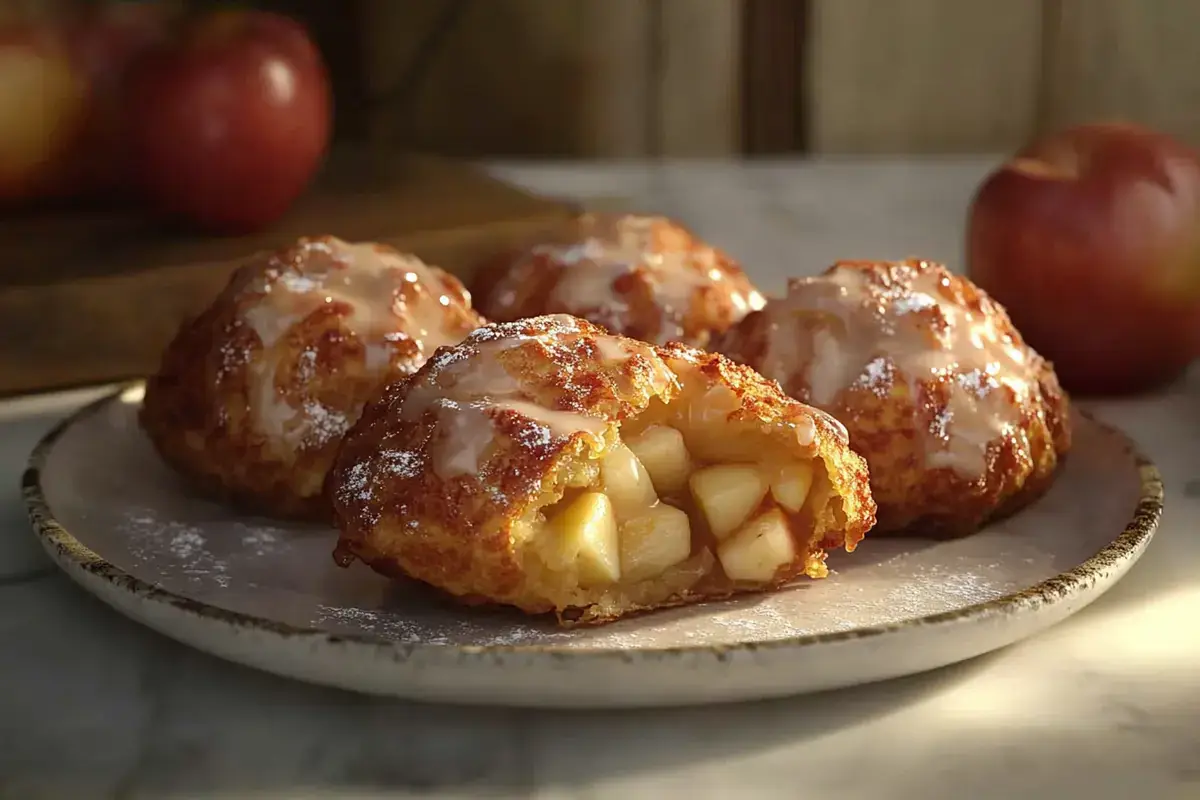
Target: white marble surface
1104,706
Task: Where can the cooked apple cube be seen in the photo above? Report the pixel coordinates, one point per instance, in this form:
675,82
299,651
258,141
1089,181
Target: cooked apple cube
586,533
662,452
759,549
655,541
791,485
626,483
728,494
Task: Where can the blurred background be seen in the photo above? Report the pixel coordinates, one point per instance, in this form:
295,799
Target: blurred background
148,147
685,78
721,77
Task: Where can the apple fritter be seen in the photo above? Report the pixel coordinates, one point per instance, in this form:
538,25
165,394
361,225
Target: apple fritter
551,466
254,394
640,276
959,420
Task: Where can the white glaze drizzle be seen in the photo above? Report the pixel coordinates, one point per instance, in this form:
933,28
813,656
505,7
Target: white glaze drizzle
677,266
469,389
385,297
862,334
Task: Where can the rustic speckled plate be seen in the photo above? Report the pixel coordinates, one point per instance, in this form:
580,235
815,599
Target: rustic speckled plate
268,595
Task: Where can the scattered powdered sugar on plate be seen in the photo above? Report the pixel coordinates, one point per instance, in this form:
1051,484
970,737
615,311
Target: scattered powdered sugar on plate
282,571
762,621
259,540
445,631
757,618
150,539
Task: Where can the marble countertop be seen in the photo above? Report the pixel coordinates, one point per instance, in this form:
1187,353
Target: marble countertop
1106,705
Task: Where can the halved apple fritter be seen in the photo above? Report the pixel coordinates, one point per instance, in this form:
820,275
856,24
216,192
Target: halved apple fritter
549,465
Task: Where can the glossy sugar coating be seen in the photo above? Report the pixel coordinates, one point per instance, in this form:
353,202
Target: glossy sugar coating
958,419
253,395
639,276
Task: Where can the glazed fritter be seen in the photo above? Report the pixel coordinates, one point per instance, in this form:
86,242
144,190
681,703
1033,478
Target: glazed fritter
645,277
254,394
551,466
959,420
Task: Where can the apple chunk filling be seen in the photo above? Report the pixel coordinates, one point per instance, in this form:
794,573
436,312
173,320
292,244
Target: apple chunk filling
664,455
651,507
627,482
651,543
758,549
585,535
728,494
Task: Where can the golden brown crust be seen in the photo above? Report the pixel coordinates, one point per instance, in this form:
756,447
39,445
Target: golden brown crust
648,278
404,508
253,395
959,420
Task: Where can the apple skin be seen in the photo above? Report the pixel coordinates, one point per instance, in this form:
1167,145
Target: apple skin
61,134
104,42
1090,237
42,114
228,125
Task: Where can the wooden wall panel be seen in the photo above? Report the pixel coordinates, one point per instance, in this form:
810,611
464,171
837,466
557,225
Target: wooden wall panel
774,94
923,76
1121,59
520,77
697,88
635,78
617,41
555,78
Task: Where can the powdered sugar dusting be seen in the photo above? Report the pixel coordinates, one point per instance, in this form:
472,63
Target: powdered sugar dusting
877,376
912,303
939,425
260,541
402,463
977,382
405,630
184,545
322,424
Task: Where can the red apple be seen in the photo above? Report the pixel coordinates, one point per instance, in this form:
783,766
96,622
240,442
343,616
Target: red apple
42,112
104,41
228,124
1090,237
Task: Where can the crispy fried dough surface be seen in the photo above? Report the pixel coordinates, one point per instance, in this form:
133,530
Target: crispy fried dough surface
640,276
253,395
959,420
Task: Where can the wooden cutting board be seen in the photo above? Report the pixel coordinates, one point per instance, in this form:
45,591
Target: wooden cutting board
93,296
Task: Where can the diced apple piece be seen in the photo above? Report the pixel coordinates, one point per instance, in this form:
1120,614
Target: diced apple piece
759,549
791,485
728,494
660,538
587,534
626,483
662,452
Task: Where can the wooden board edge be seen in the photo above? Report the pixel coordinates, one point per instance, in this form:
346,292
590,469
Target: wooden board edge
116,350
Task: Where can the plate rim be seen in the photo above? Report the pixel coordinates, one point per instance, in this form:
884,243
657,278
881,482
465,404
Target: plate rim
68,551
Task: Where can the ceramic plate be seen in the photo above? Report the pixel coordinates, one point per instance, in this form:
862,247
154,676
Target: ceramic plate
269,595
